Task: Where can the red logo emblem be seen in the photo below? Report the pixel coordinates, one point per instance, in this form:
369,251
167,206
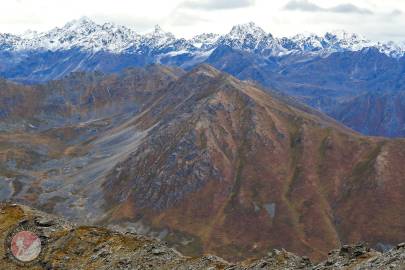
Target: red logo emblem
25,246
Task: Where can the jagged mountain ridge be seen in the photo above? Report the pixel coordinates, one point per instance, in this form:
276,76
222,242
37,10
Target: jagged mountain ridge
201,160
90,36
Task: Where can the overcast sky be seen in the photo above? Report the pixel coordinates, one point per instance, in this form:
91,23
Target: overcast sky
375,19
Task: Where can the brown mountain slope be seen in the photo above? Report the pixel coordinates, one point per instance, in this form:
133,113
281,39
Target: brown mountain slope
204,161
82,96
235,171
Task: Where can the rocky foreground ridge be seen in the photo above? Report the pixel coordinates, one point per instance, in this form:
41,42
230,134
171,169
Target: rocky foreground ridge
67,246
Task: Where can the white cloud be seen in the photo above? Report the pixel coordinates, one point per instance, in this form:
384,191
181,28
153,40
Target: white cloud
306,5
217,4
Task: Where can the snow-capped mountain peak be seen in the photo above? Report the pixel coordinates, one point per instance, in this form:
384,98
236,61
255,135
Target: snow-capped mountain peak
29,34
205,40
86,35
247,36
307,42
158,37
391,49
9,41
159,32
333,41
338,34
158,29
241,31
341,39
80,25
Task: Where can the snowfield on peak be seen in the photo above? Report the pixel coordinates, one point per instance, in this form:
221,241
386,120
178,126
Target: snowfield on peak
89,36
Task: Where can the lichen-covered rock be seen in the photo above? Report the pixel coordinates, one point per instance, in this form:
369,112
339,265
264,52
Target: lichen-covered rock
67,246
360,257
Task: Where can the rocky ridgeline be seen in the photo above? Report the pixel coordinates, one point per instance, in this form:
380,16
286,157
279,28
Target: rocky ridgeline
66,246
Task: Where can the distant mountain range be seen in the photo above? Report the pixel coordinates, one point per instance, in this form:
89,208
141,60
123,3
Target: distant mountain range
330,72
108,37
200,159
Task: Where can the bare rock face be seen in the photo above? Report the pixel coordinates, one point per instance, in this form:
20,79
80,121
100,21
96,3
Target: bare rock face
67,246
230,170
